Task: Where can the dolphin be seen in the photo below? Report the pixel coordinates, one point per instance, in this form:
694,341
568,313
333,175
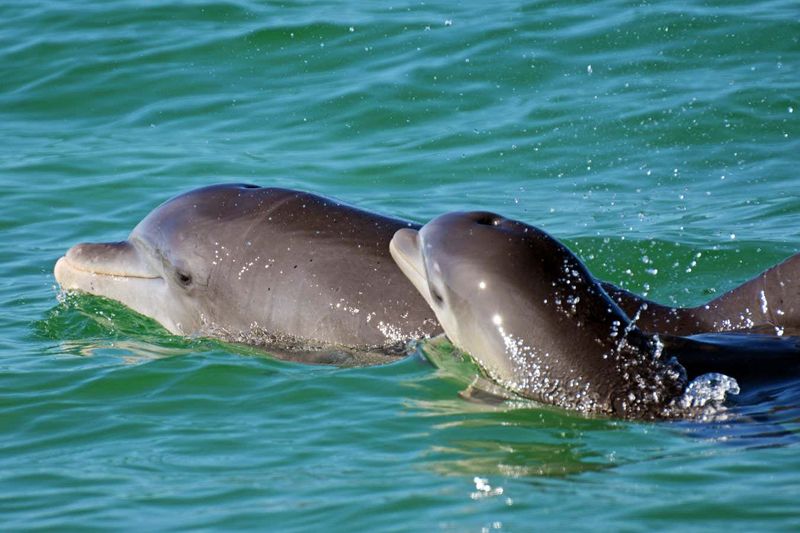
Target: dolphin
311,279
541,326
264,266
768,303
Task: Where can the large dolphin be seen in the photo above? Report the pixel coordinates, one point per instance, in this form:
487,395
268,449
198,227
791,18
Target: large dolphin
258,265
538,323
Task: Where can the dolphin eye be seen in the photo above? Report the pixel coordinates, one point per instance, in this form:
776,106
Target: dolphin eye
183,278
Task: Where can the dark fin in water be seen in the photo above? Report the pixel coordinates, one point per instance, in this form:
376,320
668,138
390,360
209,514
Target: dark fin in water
483,391
747,357
769,302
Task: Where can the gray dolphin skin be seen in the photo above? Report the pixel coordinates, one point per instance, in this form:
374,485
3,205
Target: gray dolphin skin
254,265
533,317
768,303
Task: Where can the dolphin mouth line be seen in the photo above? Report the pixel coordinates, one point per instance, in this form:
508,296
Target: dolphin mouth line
79,268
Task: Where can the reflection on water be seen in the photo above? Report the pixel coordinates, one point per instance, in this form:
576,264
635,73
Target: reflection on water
517,438
81,316
92,326
523,439
481,440
514,459
764,417
129,352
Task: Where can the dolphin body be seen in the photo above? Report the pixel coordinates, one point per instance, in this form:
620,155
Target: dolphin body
540,325
311,279
264,266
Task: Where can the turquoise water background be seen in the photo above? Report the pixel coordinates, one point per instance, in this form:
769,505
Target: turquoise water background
660,140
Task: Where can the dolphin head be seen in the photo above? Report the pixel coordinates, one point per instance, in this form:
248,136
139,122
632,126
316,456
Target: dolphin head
452,268
165,269
530,313
490,281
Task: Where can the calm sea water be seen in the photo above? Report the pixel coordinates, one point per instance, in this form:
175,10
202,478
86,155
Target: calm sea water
660,140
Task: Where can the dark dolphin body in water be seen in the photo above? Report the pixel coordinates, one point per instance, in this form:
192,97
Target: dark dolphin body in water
311,279
768,303
538,323
292,271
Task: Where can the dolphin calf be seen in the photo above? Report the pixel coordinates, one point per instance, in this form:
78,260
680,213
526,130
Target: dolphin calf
263,266
541,326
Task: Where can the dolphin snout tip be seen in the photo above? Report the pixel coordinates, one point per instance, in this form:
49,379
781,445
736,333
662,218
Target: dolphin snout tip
66,275
59,270
405,241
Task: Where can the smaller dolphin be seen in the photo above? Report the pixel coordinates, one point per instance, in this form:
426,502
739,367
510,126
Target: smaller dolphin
538,323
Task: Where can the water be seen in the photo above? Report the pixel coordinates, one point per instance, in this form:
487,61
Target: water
659,140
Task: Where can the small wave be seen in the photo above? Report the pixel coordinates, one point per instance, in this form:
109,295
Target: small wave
708,390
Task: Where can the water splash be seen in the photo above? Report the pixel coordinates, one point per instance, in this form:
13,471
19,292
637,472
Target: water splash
484,490
712,388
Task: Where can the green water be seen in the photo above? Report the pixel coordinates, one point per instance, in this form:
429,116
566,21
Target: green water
660,140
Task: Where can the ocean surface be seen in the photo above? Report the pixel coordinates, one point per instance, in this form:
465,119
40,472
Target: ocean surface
660,140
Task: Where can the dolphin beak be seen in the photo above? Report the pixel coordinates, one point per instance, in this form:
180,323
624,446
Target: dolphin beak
118,259
406,252
100,268
116,271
